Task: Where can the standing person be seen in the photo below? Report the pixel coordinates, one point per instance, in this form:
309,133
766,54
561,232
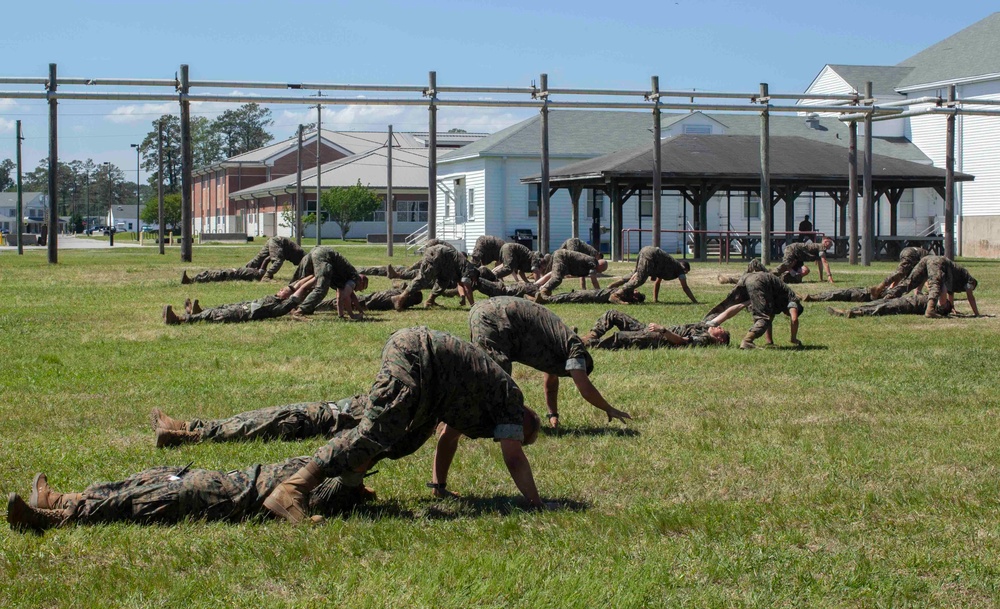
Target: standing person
943,277
805,227
576,245
766,296
268,307
908,259
330,269
442,267
632,333
655,263
486,251
274,253
567,263
516,258
797,254
427,378
516,330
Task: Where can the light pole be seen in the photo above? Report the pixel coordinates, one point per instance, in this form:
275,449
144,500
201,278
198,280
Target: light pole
137,152
109,228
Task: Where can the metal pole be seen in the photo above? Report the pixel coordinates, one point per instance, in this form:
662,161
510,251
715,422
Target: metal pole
138,233
949,181
543,237
86,223
298,190
53,168
852,193
159,183
187,183
869,203
432,156
389,206
319,177
765,177
20,199
657,166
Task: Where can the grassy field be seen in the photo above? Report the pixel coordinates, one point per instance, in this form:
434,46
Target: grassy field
860,471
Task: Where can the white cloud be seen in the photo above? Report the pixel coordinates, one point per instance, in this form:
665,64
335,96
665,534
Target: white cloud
6,125
140,113
402,118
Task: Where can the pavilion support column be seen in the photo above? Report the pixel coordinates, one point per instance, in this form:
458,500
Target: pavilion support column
852,192
765,176
790,195
657,164
544,235
53,215
869,205
949,179
187,166
616,227
574,195
894,195
431,156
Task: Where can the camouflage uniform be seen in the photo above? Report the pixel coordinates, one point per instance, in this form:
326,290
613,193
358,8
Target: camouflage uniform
755,266
492,289
427,377
577,245
941,275
330,269
277,250
254,310
583,297
241,274
911,304
442,267
517,330
656,264
286,423
377,301
486,250
402,272
908,258
797,254
516,257
632,333
767,295
164,495
843,295
569,263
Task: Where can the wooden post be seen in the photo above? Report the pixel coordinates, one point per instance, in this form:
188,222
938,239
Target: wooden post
657,165
432,157
187,185
53,167
574,194
616,234
20,196
869,203
388,195
159,183
299,203
852,192
765,177
319,172
543,202
949,179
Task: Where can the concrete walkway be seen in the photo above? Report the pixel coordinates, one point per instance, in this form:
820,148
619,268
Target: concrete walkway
72,242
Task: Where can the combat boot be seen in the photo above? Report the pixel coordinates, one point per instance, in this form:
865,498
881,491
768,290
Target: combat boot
43,497
160,420
176,437
184,278
390,272
430,303
747,342
837,312
616,298
291,498
931,311
542,296
590,338
399,302
22,517
195,307
808,298
169,317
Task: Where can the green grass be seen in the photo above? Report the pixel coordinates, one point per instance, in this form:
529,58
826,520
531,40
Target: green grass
860,472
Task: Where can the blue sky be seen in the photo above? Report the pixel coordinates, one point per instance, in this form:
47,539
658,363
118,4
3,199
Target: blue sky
712,44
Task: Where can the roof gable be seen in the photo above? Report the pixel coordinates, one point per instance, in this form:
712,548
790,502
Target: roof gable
974,51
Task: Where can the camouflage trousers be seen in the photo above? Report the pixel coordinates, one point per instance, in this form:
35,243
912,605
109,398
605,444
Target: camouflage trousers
912,304
380,271
843,295
286,423
237,312
583,297
241,274
498,288
377,301
632,333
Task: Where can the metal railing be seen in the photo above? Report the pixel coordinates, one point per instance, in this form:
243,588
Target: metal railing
745,242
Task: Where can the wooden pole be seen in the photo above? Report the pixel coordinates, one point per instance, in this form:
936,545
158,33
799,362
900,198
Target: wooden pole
159,182
319,174
657,166
432,156
299,203
53,167
949,180
187,183
869,202
389,206
20,196
543,237
852,192
574,194
765,176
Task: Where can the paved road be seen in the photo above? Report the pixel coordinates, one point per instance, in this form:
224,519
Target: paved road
72,242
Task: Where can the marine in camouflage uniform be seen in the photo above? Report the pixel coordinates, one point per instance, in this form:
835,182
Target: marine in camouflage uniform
654,263
943,278
268,307
766,296
517,259
911,304
633,334
426,378
330,269
846,295
238,274
797,254
908,258
276,251
442,267
569,263
517,330
400,272
578,245
486,251
376,301
602,296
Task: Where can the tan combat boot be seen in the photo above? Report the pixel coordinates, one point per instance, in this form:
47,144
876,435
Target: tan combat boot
175,437
43,497
590,338
184,278
542,296
169,317
22,517
747,342
837,312
195,307
160,420
291,498
931,311
399,302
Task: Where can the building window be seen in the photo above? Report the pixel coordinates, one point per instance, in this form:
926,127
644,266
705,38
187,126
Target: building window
533,194
697,129
906,204
311,209
751,207
411,211
472,204
646,204
376,216
595,199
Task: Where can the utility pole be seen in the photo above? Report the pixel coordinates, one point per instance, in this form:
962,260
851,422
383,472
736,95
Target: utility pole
298,191
20,200
159,182
53,168
319,171
138,234
388,194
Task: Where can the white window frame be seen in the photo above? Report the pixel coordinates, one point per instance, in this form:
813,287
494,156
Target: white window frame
534,200
472,204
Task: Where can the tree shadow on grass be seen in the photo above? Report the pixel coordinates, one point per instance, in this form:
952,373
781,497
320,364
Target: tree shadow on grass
589,431
465,506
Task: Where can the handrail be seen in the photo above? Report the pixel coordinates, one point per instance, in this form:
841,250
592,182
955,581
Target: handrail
726,236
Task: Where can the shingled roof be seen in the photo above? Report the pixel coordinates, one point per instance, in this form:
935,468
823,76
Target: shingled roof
974,51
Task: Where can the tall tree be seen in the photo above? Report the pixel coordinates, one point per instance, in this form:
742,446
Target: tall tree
8,174
348,205
206,148
171,211
244,129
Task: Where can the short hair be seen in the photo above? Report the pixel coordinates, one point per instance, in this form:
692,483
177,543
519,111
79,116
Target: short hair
686,266
532,425
724,339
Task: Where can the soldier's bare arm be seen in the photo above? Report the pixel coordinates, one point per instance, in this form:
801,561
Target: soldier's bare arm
727,314
687,290
972,302
592,395
674,339
520,471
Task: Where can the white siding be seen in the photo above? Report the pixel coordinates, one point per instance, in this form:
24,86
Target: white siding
979,156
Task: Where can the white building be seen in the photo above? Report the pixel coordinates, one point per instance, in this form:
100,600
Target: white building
34,207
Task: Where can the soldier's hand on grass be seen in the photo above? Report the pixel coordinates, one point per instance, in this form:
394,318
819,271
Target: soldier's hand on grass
796,342
614,413
443,493
266,279
553,421
829,278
